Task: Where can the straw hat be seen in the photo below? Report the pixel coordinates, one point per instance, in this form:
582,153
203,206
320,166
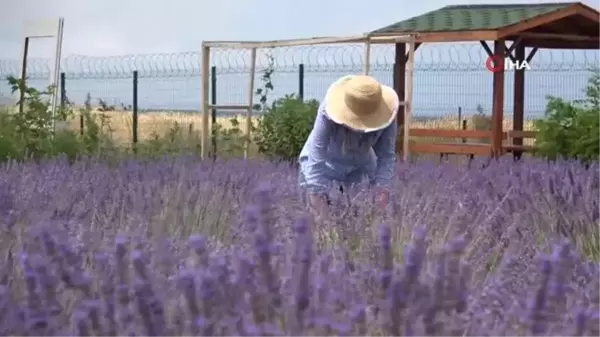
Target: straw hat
361,103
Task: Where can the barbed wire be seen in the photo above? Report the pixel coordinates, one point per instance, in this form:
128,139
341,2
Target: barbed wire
323,58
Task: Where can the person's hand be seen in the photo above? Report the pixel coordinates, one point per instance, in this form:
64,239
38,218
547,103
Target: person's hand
382,196
318,203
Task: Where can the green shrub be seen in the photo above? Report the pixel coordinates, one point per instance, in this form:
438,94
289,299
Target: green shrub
281,131
231,141
29,134
571,129
285,126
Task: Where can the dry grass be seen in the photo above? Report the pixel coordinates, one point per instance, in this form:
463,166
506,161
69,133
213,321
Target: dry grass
153,123
160,123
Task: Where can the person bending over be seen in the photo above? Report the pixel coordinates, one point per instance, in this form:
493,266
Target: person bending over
353,138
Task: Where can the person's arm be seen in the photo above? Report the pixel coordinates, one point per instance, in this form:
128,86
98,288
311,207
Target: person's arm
385,150
317,183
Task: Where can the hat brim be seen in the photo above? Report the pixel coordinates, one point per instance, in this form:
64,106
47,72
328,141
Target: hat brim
340,113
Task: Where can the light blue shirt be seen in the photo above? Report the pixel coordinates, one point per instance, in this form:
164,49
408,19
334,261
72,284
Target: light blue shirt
334,152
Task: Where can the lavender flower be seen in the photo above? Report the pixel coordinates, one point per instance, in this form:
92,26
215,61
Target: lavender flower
78,273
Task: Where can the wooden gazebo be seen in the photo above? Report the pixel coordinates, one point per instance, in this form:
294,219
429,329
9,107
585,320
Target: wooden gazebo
570,25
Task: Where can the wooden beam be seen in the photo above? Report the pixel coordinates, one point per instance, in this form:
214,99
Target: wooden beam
550,36
509,51
536,21
561,44
531,54
478,149
486,48
587,12
416,47
558,27
450,133
565,25
446,36
456,36
498,101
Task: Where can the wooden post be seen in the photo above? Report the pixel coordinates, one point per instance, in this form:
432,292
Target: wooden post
519,99
205,98
399,86
408,109
498,100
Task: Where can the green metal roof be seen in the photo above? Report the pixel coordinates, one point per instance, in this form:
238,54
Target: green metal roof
472,17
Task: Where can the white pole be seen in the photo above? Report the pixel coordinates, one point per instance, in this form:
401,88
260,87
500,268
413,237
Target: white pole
250,102
408,97
367,55
54,77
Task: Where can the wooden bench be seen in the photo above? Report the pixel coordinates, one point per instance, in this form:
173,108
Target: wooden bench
467,146
445,149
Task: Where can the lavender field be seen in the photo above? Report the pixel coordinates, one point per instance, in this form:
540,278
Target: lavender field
182,247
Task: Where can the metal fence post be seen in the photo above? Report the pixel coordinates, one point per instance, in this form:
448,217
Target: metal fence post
134,123
301,81
213,112
63,91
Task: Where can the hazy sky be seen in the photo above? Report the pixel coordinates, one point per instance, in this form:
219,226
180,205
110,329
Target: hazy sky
111,27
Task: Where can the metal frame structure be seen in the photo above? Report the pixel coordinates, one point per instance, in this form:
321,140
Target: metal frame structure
367,39
38,30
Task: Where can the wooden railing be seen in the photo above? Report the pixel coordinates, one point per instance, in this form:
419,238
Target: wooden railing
511,146
445,148
467,146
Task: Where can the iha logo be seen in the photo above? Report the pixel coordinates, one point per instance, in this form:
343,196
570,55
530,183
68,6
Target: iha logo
496,64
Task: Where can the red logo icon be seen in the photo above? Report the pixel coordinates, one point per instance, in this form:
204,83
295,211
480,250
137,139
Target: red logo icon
494,63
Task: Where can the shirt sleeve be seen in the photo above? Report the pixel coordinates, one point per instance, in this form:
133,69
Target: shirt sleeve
315,168
385,150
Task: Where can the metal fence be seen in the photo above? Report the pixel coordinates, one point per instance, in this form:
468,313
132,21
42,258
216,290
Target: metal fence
447,78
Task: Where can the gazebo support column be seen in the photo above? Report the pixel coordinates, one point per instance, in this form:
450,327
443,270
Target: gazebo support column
498,101
399,84
519,99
